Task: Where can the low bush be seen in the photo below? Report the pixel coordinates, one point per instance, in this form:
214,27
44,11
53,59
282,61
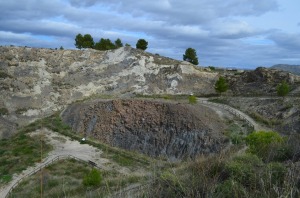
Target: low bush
93,178
3,111
269,146
192,99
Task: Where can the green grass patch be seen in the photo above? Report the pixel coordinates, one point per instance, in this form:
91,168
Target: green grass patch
123,161
66,178
18,153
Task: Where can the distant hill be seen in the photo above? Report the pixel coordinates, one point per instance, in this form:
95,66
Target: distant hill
295,69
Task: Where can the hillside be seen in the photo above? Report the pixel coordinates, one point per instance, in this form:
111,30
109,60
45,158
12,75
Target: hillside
261,82
295,69
35,82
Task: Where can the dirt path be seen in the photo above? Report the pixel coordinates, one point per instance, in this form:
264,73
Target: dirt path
63,146
221,107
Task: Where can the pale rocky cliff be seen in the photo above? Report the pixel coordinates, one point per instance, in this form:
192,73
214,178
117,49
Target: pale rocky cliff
36,82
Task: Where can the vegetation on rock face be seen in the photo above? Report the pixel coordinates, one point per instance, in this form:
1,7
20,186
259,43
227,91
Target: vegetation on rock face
191,56
283,89
221,85
142,44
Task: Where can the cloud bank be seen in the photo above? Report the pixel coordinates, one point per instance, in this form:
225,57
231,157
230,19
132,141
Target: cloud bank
224,33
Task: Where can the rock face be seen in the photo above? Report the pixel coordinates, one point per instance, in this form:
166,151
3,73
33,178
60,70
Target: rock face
154,128
261,81
36,82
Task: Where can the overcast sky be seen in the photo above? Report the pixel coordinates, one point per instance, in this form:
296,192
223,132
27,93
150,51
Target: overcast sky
235,33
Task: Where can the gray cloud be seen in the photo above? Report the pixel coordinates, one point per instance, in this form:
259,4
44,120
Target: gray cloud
287,41
217,29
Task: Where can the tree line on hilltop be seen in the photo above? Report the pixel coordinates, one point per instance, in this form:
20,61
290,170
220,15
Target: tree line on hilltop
87,41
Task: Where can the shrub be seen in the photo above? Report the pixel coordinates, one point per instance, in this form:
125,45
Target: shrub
192,99
283,89
276,173
244,169
268,145
93,178
221,85
172,185
230,189
3,111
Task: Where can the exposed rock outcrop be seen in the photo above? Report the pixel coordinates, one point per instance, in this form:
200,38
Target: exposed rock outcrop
155,128
261,81
36,82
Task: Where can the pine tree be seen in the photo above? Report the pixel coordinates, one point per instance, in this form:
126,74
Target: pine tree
191,56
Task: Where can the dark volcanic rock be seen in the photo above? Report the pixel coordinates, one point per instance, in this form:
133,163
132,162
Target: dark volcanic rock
153,128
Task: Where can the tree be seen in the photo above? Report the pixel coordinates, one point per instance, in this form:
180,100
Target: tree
88,41
191,56
142,44
221,85
118,43
85,41
283,89
79,41
104,44
61,48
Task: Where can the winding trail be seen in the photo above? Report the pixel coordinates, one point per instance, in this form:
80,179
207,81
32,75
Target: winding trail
63,148
256,126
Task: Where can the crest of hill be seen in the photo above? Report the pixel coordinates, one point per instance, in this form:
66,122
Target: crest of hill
295,69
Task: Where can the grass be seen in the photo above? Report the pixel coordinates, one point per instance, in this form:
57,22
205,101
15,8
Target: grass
19,152
227,175
65,179
235,133
261,119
